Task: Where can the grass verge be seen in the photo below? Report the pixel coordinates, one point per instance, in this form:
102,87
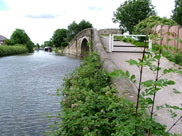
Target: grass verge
12,50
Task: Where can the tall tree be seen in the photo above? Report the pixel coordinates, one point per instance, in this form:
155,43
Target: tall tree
177,12
132,12
19,36
59,37
75,28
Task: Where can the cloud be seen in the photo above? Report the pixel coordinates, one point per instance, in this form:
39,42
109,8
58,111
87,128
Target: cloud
43,16
95,8
40,18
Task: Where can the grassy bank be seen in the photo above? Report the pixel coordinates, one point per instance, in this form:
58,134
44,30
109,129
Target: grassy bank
91,107
12,50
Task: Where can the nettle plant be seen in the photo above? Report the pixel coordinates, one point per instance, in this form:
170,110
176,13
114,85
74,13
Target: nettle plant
147,90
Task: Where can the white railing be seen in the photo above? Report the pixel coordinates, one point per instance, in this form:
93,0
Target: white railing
111,40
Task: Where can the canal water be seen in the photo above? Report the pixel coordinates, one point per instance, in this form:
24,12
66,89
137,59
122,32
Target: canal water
27,83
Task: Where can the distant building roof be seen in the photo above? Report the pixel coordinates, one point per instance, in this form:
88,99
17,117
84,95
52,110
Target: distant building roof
2,38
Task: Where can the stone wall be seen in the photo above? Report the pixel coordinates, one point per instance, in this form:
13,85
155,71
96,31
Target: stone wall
109,31
74,47
124,86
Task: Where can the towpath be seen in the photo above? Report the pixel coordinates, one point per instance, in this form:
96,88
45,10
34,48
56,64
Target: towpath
166,95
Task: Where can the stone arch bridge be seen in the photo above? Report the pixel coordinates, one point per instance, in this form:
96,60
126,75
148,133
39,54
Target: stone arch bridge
79,45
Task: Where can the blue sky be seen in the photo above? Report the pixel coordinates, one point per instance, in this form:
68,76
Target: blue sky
40,18
3,5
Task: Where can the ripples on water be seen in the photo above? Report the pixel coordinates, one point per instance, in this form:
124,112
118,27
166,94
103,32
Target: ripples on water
26,83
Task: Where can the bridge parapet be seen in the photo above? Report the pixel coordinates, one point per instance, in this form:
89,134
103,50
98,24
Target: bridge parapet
109,31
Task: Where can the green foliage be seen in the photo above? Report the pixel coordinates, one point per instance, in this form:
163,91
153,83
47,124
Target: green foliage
145,26
48,43
12,50
177,12
59,37
64,44
91,107
19,36
146,97
132,12
139,43
170,53
75,28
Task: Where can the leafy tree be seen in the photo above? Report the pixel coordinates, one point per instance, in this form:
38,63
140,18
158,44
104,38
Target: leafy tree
83,25
48,43
59,37
75,28
147,24
19,36
37,45
72,30
132,12
177,12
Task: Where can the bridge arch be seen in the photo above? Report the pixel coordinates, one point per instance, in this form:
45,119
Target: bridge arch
84,47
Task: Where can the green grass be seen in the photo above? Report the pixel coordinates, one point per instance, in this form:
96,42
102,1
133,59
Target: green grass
12,50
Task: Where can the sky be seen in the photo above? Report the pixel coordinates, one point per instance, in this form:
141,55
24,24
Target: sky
40,18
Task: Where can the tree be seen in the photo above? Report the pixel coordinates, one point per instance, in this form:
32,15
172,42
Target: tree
147,24
59,37
19,36
48,43
177,12
72,30
132,12
83,25
75,28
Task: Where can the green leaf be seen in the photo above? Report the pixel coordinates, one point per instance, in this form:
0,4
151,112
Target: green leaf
132,62
127,74
176,91
132,77
149,100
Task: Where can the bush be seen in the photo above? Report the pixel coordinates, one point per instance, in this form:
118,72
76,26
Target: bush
178,58
12,50
91,107
148,23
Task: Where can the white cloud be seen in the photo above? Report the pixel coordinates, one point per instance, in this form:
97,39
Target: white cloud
40,18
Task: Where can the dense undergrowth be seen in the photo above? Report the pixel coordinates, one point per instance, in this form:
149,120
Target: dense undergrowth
12,50
170,53
90,107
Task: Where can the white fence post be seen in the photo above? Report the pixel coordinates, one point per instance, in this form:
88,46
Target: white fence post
110,43
150,44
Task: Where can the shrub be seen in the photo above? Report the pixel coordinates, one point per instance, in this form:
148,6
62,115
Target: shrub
147,24
91,107
12,50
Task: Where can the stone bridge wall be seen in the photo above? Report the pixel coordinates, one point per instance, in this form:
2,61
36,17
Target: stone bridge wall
109,31
74,47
